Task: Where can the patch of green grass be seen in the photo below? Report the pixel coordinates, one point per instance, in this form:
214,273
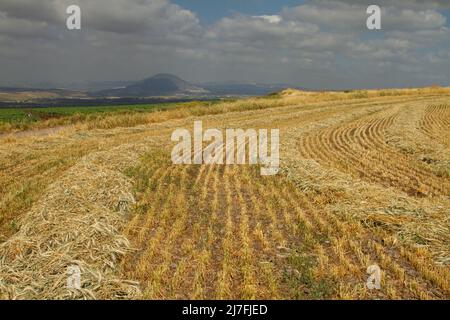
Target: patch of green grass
19,117
13,115
299,273
301,280
7,115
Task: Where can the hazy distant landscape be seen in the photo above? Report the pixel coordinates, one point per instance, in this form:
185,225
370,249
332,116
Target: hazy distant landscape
160,87
21,107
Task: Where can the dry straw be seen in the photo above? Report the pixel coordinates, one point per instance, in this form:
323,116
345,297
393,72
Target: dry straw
77,222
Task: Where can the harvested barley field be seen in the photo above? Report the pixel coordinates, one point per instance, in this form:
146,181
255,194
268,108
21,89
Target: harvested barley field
364,180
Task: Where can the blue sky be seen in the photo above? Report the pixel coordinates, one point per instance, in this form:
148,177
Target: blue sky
210,11
447,14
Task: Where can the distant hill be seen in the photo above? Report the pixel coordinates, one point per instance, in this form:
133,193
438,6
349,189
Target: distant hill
159,85
169,85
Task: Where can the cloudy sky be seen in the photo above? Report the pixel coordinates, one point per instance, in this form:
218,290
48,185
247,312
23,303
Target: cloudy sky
310,43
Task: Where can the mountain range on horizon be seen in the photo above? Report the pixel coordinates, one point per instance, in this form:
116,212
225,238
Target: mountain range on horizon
162,84
160,87
165,84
